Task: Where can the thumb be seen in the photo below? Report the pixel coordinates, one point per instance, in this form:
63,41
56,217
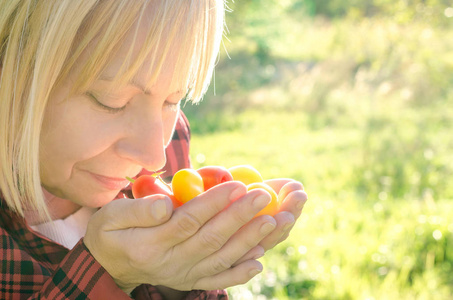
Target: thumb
129,213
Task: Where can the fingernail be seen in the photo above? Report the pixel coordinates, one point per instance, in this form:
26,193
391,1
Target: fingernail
258,256
267,227
261,201
236,193
287,226
159,209
254,272
300,205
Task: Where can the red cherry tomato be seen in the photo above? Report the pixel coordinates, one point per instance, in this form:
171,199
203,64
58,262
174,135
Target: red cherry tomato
214,175
186,185
146,185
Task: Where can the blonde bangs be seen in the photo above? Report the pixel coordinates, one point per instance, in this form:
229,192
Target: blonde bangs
107,24
191,31
201,47
192,34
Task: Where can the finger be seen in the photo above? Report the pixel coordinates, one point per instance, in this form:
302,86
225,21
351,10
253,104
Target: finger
290,210
189,218
130,213
241,243
218,231
239,274
255,253
278,183
288,188
293,202
285,222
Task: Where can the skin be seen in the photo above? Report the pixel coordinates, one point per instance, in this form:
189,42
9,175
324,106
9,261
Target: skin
86,152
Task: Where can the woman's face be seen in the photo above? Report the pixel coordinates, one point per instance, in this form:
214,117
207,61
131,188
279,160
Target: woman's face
91,142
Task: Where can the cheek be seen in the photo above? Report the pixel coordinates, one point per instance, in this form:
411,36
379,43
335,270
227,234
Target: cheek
67,138
169,125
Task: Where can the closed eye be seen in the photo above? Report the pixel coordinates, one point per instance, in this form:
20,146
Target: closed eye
109,109
172,106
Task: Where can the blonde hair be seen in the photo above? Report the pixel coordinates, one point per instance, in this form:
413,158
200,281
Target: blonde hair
42,40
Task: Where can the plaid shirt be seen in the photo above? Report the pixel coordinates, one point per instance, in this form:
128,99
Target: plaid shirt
34,267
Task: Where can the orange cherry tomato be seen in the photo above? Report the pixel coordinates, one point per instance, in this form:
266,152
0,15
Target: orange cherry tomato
245,174
214,175
272,208
186,185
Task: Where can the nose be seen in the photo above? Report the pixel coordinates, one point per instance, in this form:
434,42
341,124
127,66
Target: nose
143,142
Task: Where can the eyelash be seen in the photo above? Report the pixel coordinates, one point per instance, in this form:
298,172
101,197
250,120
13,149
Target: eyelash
112,110
171,106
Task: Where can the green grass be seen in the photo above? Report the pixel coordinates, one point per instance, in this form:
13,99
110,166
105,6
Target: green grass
361,112
346,245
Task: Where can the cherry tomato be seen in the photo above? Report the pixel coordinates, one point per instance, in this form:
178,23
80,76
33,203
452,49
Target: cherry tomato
146,185
272,208
187,184
214,175
245,174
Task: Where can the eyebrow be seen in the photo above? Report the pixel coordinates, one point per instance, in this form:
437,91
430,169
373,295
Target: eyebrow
137,85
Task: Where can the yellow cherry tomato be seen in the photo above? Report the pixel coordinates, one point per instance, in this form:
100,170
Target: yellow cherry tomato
272,208
245,174
186,185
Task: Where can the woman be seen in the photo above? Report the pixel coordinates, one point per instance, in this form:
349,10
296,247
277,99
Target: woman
90,94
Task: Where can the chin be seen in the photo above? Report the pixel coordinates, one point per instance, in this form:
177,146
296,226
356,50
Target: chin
98,200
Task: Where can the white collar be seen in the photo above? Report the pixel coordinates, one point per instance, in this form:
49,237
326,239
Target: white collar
68,231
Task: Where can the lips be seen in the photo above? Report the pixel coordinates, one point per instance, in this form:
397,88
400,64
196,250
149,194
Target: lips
110,183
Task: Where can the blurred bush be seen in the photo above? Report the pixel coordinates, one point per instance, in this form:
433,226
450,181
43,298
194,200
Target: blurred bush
401,11
360,66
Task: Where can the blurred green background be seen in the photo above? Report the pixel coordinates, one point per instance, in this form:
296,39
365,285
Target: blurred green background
355,100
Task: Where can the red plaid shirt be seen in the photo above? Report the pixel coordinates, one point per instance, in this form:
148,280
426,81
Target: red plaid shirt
34,267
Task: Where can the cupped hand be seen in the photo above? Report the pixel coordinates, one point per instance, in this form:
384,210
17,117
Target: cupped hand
195,247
